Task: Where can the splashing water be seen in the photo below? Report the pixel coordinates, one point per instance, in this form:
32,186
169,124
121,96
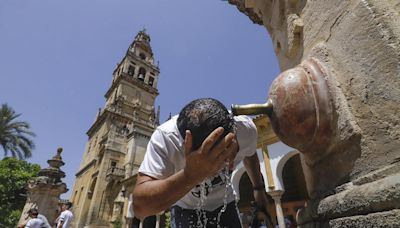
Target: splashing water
228,184
201,214
202,218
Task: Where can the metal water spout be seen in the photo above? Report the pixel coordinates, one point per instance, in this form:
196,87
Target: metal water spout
300,107
253,109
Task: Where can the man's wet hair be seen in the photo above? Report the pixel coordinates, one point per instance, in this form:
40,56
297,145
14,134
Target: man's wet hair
202,116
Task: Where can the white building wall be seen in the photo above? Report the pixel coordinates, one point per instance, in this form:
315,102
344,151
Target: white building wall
279,154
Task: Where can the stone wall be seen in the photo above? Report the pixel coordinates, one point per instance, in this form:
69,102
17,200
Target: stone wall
354,179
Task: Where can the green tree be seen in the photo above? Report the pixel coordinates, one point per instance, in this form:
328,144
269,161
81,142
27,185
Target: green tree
15,135
14,175
167,219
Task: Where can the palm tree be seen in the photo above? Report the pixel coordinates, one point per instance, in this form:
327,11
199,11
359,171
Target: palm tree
15,135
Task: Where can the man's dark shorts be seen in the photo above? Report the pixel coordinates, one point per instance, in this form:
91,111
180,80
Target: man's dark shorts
185,218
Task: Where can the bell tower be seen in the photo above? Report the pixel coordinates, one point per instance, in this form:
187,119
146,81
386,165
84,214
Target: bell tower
118,138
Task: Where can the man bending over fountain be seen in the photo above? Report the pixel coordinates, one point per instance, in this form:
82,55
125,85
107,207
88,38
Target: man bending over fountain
188,163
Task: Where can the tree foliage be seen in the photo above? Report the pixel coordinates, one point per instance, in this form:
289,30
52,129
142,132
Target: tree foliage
168,219
15,135
14,175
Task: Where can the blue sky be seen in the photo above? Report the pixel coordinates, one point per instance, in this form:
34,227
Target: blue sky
57,57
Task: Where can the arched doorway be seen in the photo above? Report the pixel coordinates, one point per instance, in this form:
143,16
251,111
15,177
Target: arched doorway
295,190
246,196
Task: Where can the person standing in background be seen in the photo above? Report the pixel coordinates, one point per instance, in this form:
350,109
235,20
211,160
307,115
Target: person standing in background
66,216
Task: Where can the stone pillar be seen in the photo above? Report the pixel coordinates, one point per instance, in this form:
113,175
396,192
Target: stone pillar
118,206
128,169
44,191
146,78
98,195
130,158
277,195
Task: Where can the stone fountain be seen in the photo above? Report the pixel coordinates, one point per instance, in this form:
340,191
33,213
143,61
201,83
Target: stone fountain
44,190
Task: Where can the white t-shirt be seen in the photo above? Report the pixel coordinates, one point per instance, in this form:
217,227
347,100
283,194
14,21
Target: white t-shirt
165,156
67,217
44,219
35,223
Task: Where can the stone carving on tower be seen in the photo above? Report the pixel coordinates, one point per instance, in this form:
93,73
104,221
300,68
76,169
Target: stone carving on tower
118,139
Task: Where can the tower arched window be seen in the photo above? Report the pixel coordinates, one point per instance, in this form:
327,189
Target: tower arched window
142,74
142,56
151,81
91,189
131,70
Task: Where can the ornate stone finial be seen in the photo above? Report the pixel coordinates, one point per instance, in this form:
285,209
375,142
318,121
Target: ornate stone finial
53,171
57,158
59,150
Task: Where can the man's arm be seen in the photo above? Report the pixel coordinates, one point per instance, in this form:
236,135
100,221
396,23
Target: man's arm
152,195
252,165
60,224
60,221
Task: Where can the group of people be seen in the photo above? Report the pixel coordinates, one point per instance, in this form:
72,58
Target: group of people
37,220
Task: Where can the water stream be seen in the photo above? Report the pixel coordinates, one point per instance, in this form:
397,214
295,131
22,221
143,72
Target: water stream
201,214
202,218
228,184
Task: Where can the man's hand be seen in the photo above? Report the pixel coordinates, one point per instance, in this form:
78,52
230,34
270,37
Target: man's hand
152,195
209,158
